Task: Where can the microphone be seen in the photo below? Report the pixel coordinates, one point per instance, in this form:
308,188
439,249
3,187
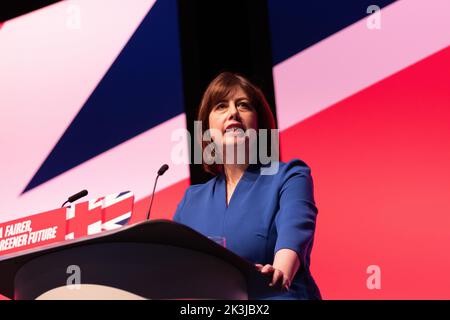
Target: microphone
76,196
161,171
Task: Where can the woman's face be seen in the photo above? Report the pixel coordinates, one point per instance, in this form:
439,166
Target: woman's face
231,114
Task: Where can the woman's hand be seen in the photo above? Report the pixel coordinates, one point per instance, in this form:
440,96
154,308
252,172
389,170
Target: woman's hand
279,279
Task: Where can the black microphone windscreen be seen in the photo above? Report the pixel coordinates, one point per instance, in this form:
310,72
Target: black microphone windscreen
163,169
78,195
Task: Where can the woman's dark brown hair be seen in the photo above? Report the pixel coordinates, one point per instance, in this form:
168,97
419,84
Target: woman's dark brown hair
221,87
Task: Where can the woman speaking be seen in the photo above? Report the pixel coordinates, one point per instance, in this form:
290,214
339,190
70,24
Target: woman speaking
267,217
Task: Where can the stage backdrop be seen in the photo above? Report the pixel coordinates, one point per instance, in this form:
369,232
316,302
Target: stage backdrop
365,101
91,92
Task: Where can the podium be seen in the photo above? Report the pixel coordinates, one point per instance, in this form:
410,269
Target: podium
158,259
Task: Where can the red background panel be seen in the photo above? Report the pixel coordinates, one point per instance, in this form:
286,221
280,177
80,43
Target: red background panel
380,160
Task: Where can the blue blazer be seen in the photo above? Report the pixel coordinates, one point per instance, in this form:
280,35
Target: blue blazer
266,213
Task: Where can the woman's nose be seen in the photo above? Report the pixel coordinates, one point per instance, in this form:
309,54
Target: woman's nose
233,111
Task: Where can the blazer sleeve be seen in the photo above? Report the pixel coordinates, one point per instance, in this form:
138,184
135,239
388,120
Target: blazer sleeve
296,219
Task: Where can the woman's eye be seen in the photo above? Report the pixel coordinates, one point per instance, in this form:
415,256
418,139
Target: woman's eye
220,106
244,105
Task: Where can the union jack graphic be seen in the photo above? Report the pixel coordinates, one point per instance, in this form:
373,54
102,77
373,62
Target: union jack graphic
96,215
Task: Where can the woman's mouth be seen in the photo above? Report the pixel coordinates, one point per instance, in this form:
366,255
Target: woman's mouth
234,132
